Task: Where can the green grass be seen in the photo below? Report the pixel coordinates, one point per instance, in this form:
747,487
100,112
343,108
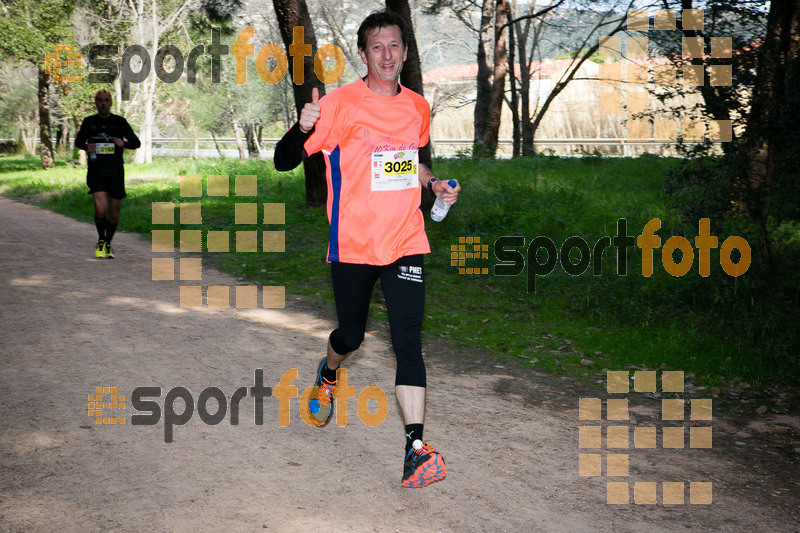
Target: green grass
716,328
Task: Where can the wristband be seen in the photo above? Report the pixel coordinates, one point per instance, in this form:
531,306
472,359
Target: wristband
430,184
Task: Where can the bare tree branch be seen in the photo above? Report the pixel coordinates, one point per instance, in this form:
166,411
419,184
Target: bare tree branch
533,15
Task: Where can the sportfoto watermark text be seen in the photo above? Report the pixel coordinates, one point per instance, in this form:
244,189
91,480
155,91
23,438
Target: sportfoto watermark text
513,262
173,415
107,69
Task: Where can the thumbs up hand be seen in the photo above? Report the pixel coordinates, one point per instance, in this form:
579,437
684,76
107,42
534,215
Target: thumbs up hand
309,115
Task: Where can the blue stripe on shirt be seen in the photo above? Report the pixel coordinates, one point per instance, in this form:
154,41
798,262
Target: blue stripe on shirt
336,182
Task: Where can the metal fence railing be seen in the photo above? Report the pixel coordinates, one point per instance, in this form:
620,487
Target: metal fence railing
207,146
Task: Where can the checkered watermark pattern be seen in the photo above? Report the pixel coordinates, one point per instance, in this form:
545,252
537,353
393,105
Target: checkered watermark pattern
468,248
63,56
638,69
190,235
104,399
618,433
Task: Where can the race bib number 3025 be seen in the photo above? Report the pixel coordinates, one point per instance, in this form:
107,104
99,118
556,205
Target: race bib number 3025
395,171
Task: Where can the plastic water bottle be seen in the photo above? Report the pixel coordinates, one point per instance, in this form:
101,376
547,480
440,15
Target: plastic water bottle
92,156
440,208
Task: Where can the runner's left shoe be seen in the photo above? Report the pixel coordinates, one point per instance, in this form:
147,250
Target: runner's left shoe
321,407
109,251
423,466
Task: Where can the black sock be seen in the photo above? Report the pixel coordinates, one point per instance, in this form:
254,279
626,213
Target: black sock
110,229
328,374
413,432
100,224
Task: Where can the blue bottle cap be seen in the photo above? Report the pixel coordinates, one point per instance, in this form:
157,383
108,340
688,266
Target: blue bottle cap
452,183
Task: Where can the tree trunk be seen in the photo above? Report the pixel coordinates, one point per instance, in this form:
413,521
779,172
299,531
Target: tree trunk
118,97
411,76
525,87
252,146
286,106
25,141
292,14
67,131
498,78
771,134
238,136
483,81
45,140
216,145
145,153
195,135
514,104
59,136
79,155
149,118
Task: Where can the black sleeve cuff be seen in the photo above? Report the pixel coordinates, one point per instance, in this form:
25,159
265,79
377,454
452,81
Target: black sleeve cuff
289,151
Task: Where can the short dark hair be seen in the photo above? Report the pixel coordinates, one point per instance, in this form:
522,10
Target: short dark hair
377,20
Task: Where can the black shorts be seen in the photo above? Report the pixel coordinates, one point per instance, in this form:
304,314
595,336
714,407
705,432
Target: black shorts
115,187
403,285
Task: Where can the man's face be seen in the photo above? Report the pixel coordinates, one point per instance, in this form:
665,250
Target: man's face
385,53
103,104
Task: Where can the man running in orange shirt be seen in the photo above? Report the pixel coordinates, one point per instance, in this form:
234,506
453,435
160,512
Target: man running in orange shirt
370,132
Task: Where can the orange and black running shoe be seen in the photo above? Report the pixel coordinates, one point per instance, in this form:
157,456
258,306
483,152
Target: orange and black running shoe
321,407
423,466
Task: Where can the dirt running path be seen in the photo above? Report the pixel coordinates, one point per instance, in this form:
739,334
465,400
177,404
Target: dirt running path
71,323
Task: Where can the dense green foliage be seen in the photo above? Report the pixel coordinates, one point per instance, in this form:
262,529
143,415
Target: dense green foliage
29,28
